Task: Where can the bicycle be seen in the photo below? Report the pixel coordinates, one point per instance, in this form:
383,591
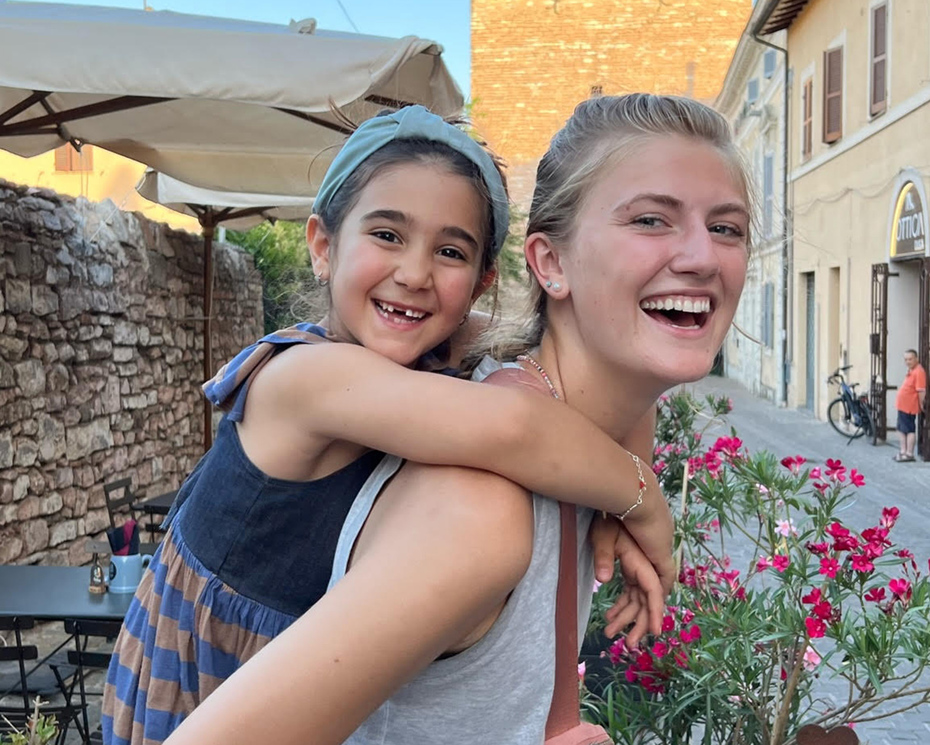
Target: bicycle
849,413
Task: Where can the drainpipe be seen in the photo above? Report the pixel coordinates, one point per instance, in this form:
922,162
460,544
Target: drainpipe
786,254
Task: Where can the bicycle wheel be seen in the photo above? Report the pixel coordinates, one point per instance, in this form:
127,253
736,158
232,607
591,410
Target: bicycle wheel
841,419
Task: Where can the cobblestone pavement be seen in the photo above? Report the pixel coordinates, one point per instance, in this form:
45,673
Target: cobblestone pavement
764,426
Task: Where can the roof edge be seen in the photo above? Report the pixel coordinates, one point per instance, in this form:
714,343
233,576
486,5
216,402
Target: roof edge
777,15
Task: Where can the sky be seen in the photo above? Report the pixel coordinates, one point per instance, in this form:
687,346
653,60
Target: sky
445,21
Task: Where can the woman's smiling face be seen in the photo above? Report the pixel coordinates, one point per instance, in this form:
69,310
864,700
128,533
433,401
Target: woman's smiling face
658,258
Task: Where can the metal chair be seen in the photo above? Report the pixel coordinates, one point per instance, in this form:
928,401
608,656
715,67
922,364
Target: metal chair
86,660
36,682
121,501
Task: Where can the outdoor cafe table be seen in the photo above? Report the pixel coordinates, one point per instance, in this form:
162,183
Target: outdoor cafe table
56,594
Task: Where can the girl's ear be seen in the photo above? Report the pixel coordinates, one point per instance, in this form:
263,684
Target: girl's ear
319,244
543,260
484,284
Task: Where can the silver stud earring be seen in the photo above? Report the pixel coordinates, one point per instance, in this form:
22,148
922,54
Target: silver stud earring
548,283
557,287
320,281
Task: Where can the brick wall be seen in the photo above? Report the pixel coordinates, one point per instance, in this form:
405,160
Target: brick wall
533,60
101,358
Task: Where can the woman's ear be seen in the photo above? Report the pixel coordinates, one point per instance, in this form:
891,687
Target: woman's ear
319,244
543,260
487,279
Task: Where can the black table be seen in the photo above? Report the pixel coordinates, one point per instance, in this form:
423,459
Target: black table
57,594
157,505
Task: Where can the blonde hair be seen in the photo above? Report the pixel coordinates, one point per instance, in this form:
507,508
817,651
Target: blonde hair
600,133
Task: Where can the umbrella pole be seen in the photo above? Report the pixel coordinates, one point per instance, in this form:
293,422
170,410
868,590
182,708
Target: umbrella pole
209,227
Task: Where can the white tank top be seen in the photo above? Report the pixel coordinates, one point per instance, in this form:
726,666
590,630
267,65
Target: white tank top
499,690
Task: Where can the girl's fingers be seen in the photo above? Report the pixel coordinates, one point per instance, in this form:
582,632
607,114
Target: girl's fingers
603,535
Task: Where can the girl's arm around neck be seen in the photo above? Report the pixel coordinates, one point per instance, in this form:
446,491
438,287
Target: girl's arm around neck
346,392
407,597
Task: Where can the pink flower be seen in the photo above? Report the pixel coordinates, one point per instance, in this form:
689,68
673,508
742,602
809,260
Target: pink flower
729,446
690,635
793,463
815,472
660,649
617,651
890,517
875,595
900,588
658,467
597,586
856,478
862,563
818,548
811,659
668,624
786,528
780,562
581,670
823,610
695,464
829,567
812,597
763,563
763,489
821,487
815,628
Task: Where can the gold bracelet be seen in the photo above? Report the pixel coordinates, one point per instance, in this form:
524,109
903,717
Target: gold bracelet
642,488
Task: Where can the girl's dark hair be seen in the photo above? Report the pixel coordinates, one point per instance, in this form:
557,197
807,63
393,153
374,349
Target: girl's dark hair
429,152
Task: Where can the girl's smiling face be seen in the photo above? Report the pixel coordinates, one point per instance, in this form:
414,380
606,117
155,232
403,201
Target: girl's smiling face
658,259
405,266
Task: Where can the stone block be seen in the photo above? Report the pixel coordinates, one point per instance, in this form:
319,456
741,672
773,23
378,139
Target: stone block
20,487
18,296
27,509
64,477
6,449
101,274
11,347
35,535
7,376
11,547
82,440
30,377
50,504
44,300
63,531
125,333
51,437
26,452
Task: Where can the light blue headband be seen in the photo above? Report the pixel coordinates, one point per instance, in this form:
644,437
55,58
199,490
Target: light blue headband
414,123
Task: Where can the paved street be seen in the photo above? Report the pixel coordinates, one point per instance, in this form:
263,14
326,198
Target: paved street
763,426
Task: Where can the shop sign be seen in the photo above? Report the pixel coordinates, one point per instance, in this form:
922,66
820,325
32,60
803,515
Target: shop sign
909,227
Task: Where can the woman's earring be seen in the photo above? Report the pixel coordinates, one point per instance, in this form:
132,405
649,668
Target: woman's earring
548,283
557,287
320,281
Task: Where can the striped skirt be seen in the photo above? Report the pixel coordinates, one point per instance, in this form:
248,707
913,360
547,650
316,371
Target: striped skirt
184,634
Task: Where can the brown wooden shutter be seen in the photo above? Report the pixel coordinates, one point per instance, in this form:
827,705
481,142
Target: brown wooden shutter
63,158
832,94
84,160
879,87
807,126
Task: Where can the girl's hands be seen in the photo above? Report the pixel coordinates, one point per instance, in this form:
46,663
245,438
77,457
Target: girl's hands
642,601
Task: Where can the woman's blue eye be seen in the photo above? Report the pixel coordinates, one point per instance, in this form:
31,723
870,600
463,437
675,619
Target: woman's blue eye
728,230
648,221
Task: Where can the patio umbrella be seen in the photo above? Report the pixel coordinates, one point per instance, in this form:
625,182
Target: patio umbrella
222,104
218,103
212,207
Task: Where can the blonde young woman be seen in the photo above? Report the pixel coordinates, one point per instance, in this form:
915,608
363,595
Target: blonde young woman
438,624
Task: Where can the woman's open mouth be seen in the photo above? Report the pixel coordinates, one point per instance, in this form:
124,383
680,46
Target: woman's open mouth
402,315
679,311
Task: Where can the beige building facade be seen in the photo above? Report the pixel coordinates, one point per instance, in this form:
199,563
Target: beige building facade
753,100
859,172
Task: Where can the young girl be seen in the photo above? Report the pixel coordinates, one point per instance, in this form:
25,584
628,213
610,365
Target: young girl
407,225
641,205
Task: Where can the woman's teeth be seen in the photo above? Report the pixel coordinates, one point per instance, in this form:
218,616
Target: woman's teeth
685,304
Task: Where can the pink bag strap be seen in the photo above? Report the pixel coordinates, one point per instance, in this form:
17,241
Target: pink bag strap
564,713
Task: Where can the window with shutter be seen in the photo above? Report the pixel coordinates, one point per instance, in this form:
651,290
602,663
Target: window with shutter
807,118
832,95
67,158
768,63
768,194
768,315
752,91
879,66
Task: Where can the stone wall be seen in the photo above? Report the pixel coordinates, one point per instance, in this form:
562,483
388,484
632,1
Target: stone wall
101,358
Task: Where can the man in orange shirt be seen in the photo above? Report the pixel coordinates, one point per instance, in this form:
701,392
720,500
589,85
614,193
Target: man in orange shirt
909,402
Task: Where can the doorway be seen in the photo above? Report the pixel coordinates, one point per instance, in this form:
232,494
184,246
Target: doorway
810,336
